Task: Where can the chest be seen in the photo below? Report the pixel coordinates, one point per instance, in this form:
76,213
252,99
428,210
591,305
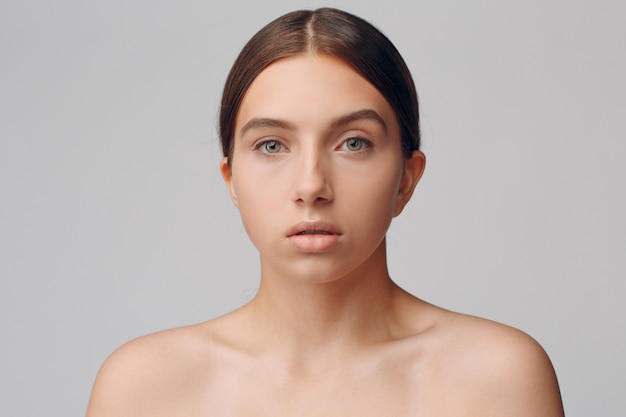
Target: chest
388,393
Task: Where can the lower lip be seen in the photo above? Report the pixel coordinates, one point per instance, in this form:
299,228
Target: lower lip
314,243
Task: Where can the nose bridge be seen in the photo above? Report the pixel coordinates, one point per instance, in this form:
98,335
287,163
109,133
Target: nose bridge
311,175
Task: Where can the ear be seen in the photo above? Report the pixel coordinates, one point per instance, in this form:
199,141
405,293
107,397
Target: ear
413,170
227,174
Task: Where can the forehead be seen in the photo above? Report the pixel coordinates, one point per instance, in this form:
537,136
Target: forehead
309,91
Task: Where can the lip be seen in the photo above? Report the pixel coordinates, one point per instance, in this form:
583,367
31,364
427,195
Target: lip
314,237
313,227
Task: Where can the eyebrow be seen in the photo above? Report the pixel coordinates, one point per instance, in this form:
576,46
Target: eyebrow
365,114
261,122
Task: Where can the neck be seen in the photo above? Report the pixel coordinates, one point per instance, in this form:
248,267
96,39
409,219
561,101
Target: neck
306,317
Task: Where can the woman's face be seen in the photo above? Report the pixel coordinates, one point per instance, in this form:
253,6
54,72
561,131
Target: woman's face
317,170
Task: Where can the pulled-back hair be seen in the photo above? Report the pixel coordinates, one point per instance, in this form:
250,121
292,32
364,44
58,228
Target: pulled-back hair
332,32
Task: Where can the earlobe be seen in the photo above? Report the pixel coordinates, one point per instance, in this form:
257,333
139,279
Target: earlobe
413,170
227,175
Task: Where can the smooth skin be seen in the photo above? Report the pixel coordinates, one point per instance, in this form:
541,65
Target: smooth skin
318,174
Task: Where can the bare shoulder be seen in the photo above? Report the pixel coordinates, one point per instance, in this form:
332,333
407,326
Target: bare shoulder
504,371
152,374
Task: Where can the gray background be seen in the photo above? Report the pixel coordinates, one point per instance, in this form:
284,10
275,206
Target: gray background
114,221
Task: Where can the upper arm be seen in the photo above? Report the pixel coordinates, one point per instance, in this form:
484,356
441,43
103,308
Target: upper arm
520,380
154,375
137,379
115,384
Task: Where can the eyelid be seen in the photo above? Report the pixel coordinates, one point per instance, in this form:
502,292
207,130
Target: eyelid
368,144
259,144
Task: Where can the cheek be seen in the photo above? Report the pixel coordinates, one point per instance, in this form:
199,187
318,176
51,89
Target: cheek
259,200
372,199
381,186
259,187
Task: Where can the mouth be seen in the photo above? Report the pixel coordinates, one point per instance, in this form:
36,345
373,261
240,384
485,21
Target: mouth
313,228
314,238
314,232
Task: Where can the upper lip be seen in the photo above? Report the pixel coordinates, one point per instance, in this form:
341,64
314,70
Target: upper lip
313,227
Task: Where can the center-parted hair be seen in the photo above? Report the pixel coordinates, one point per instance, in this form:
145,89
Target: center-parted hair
332,32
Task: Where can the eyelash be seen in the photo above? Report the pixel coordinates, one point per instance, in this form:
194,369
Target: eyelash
365,144
260,146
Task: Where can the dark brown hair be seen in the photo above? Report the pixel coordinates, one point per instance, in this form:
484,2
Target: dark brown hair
331,32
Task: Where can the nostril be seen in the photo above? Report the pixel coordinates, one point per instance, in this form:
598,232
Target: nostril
318,195
311,184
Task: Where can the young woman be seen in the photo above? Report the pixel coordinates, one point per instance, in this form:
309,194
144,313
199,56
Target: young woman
319,129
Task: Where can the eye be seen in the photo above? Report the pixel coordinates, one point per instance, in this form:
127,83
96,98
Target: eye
270,146
355,145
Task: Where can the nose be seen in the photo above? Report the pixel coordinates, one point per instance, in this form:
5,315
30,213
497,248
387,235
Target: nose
311,180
